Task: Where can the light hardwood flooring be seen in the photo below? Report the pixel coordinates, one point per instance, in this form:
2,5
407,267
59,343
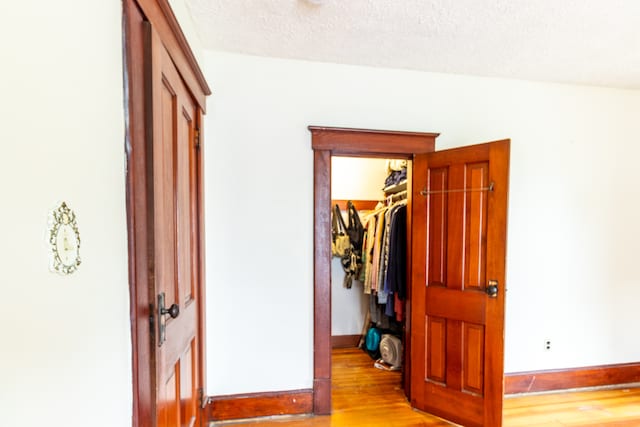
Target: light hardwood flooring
367,397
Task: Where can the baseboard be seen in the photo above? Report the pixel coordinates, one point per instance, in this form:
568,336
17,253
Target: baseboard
345,341
562,379
252,405
296,402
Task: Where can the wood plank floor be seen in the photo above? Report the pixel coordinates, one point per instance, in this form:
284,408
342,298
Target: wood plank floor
367,397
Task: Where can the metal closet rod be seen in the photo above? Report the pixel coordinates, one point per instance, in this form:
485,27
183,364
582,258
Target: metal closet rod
396,196
424,192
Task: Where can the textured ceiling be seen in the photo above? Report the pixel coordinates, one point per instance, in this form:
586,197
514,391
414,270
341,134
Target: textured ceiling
594,42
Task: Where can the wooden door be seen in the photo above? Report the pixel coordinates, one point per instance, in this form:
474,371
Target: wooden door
175,233
458,251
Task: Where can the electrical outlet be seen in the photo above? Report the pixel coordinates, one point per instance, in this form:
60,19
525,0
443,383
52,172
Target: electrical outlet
547,345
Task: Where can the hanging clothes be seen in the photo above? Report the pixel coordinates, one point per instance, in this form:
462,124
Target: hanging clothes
370,224
384,264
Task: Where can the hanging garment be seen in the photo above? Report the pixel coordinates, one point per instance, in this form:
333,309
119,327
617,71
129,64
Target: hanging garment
377,247
399,309
367,250
383,290
397,270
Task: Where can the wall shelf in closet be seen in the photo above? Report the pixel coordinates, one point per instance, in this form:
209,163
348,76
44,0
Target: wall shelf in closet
396,188
361,205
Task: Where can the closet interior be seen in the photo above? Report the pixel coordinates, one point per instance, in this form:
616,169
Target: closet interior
369,257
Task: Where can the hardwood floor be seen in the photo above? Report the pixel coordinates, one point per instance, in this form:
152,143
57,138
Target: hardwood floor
368,397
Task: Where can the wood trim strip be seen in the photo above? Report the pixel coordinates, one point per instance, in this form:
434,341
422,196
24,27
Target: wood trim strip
202,309
139,214
322,281
345,341
361,205
562,379
252,405
184,45
406,353
371,143
161,16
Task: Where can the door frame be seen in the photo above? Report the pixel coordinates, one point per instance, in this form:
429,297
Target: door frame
348,142
139,174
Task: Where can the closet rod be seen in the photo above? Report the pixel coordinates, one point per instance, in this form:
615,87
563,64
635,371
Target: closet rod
424,192
396,196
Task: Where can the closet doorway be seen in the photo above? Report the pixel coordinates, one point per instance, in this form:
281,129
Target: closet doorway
362,182
455,304
373,193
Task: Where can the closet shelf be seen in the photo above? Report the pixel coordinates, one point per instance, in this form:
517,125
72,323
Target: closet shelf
396,188
360,205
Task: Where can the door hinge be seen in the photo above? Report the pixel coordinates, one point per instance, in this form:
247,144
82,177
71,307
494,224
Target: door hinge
202,399
197,138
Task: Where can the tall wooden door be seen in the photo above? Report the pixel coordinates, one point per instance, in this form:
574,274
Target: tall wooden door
458,282
176,244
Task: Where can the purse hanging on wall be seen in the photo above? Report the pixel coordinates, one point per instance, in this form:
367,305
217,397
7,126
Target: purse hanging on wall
340,243
342,247
355,230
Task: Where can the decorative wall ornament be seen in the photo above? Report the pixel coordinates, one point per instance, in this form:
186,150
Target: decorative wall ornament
64,239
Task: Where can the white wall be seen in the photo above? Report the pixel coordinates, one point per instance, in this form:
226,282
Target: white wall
573,229
352,179
65,349
355,178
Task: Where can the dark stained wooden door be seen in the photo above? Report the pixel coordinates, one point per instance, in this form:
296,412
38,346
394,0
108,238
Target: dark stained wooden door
175,233
458,250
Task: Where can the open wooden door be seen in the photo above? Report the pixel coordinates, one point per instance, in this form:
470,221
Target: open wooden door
165,97
458,282
175,283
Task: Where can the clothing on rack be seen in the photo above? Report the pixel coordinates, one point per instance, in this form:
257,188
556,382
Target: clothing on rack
395,177
396,172
384,260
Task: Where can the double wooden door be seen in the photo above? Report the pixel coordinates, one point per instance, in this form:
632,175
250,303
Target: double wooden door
458,274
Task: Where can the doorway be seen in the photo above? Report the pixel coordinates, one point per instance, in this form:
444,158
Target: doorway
456,291
376,188
326,143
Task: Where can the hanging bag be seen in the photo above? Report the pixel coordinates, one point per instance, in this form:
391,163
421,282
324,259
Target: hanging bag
350,267
340,243
355,229
342,248
356,235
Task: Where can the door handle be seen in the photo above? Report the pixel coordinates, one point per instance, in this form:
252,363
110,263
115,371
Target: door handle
173,311
492,289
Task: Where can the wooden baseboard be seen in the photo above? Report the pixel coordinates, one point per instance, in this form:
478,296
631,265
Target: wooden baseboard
345,341
296,402
252,405
562,379
322,396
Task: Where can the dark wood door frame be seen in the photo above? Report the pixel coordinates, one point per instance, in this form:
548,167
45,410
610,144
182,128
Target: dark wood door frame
138,176
327,142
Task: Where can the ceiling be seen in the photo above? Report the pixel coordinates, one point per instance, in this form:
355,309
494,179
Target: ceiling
593,42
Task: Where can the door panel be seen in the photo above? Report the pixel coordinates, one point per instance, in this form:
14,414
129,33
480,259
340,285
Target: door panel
437,253
459,239
176,255
475,226
437,348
